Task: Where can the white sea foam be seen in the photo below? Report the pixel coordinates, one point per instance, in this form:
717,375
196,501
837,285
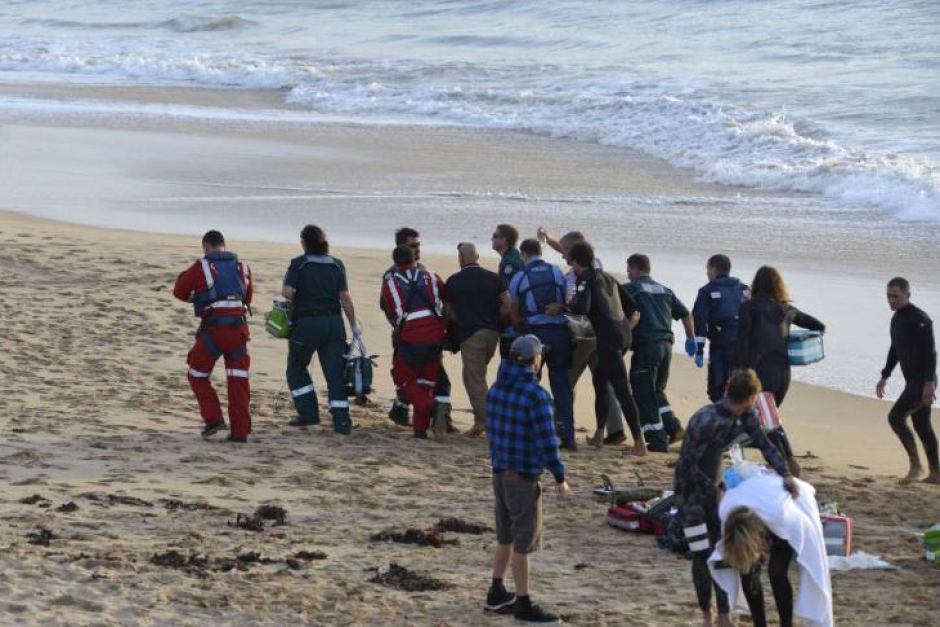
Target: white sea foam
690,123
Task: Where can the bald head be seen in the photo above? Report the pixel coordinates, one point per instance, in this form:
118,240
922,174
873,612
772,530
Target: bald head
467,254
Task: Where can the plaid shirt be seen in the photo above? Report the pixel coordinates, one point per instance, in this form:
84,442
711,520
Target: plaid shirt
520,424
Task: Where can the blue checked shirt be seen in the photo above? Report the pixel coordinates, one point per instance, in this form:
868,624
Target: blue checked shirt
520,424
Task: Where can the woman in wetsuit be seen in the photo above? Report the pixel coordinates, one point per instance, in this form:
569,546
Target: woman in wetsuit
765,322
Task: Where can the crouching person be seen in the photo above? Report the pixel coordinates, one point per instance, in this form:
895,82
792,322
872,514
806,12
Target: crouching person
711,431
519,420
414,308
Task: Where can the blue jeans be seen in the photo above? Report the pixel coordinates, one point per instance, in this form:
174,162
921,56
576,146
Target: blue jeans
558,359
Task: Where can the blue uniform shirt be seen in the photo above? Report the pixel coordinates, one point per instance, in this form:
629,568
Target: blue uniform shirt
520,292
716,313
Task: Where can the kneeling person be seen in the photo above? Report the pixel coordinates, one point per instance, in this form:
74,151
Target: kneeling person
520,423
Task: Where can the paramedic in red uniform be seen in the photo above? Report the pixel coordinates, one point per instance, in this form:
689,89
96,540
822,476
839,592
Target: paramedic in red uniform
219,286
413,305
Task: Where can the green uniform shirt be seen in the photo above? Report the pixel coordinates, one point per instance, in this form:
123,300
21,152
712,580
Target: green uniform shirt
509,265
317,281
658,307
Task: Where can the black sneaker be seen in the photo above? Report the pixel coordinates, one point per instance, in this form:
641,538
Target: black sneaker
421,435
399,414
535,614
617,437
232,438
210,430
568,446
499,600
298,422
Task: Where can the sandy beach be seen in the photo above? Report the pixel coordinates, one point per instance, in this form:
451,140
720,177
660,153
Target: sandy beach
101,425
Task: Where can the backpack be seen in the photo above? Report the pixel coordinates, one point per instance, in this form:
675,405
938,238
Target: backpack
227,289
540,279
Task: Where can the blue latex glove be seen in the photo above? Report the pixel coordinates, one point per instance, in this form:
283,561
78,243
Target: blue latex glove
699,360
691,346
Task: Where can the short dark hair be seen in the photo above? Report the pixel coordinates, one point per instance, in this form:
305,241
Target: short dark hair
901,283
582,253
742,385
721,263
640,262
403,255
213,238
509,233
404,234
314,240
530,248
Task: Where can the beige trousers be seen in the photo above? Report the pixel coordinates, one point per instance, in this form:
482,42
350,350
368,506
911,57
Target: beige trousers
476,352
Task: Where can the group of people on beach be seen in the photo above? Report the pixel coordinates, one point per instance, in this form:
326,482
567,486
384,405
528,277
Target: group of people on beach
538,316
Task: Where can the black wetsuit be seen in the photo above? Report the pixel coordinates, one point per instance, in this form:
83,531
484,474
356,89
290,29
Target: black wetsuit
912,346
613,340
710,431
762,341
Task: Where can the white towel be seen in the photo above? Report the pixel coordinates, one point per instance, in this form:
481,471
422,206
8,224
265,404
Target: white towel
797,522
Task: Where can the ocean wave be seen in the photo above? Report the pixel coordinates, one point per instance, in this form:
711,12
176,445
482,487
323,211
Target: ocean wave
179,24
686,123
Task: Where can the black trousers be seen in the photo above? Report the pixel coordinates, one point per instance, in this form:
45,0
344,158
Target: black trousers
611,369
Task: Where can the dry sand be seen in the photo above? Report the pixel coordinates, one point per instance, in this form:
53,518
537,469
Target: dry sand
98,413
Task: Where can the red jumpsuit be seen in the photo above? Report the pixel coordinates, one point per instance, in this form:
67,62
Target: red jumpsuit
214,340
412,302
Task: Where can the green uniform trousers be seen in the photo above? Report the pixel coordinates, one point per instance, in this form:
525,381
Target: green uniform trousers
649,374
326,336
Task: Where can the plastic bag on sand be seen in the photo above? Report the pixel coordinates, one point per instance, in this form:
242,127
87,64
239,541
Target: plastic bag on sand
857,561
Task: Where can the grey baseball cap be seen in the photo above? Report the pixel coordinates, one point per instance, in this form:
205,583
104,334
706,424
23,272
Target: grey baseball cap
525,348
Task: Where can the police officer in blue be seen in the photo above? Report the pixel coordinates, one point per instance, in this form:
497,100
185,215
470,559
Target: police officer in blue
715,314
315,284
538,300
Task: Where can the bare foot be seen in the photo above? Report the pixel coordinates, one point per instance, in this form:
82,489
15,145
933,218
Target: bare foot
596,440
475,431
639,450
912,476
707,619
933,477
724,620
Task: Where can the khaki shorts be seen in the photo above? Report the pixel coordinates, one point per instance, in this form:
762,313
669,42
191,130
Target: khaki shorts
518,507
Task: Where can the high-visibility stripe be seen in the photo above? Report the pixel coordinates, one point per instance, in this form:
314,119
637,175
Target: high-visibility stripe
655,427
426,382
226,304
697,530
438,307
442,399
301,391
207,273
396,299
665,409
700,340
339,404
699,545
196,374
417,315
235,372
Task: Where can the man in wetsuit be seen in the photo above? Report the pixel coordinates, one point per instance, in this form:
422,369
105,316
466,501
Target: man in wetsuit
912,345
710,432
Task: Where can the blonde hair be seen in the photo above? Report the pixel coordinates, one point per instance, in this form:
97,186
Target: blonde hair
745,540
